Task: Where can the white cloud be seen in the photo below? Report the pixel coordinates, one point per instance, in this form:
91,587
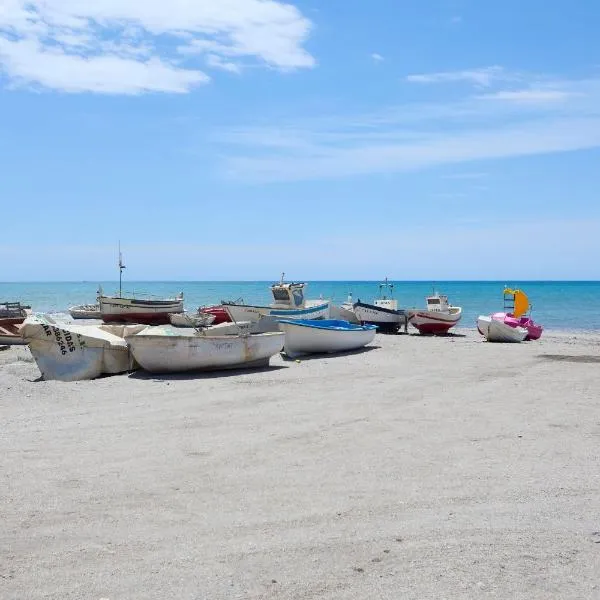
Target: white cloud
377,57
481,77
528,96
133,46
416,136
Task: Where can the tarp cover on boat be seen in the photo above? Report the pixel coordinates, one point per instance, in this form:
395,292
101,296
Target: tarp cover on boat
72,352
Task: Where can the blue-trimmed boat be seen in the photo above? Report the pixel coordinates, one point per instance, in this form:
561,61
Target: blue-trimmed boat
288,303
305,336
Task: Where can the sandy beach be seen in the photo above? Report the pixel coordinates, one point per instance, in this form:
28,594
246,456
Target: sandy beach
419,468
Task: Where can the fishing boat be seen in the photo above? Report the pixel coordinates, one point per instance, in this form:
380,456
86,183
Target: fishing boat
325,336
85,311
166,349
383,312
186,319
496,330
12,315
344,312
149,311
288,303
438,318
68,352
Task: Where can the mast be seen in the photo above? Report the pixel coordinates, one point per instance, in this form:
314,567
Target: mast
121,267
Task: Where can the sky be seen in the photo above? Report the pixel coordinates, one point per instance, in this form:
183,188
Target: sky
234,140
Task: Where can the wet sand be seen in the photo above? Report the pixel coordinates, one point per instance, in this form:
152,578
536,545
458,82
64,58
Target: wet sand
419,468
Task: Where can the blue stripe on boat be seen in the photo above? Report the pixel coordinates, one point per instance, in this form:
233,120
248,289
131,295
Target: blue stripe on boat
298,311
331,324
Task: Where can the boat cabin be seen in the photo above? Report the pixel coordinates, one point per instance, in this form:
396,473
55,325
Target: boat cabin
288,295
383,301
437,303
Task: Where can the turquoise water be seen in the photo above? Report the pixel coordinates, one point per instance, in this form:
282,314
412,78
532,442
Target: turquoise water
556,304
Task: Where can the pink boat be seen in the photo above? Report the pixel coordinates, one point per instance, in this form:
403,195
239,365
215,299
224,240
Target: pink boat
534,331
516,305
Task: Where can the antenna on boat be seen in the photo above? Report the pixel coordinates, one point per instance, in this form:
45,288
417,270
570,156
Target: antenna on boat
281,280
121,267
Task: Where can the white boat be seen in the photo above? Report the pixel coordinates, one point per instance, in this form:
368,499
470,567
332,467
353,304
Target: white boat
345,312
383,312
326,336
437,318
73,352
288,303
166,349
85,311
497,331
151,311
186,319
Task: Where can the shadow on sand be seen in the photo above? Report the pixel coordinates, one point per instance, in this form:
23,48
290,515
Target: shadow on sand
187,375
582,358
320,356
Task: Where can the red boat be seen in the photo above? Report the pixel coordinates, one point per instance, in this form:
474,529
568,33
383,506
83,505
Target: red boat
218,311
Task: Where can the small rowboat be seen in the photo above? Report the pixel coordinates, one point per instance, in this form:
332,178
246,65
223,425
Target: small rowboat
324,336
166,349
218,312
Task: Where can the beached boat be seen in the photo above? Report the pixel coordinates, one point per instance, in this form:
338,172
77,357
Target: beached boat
496,330
288,303
186,319
70,352
383,312
12,314
150,311
516,305
438,318
85,311
344,312
325,336
218,311
166,349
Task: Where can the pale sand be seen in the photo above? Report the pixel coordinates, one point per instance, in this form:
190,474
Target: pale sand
423,468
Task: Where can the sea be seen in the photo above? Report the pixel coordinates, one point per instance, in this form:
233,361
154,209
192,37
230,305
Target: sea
558,305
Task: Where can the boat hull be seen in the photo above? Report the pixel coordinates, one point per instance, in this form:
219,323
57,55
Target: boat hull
327,336
495,330
219,312
174,353
131,310
75,352
243,312
85,312
386,320
434,322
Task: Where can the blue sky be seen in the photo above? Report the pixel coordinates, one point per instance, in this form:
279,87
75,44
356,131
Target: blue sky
448,139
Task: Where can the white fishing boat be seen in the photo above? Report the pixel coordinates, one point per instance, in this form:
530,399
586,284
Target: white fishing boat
166,349
85,311
495,330
383,312
70,352
325,336
438,318
186,319
150,311
288,303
